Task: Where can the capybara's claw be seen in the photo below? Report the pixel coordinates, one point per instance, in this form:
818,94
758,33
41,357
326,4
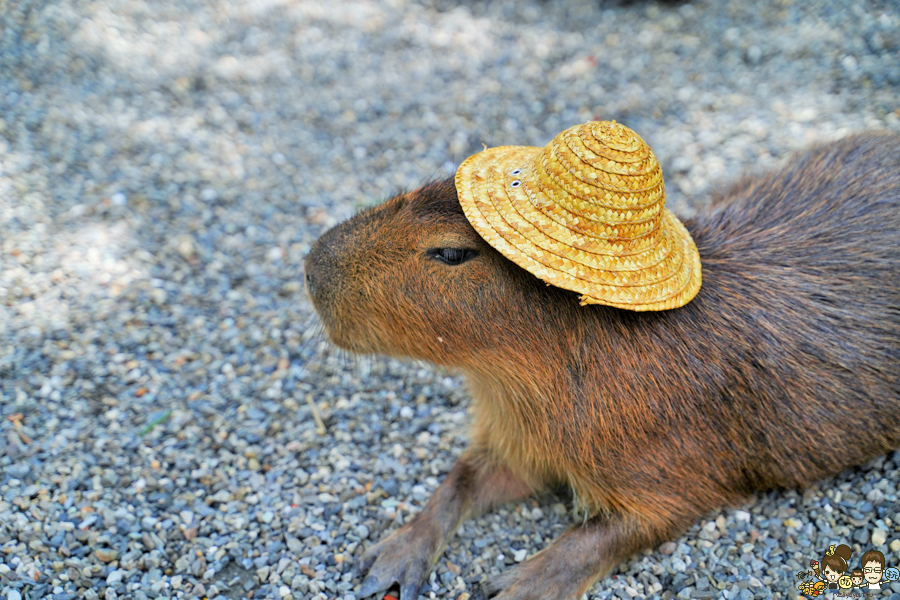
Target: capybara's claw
386,573
524,582
404,558
477,593
410,591
371,585
562,571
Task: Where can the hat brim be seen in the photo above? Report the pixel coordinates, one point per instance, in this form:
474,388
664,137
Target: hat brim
560,247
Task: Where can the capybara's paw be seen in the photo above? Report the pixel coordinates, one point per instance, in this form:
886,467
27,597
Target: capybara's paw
539,578
405,558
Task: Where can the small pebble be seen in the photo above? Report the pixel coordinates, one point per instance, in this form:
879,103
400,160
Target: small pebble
754,55
105,554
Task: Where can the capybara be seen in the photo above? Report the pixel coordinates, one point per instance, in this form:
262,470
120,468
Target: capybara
784,369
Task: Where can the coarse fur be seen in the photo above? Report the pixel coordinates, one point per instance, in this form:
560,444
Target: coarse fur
783,370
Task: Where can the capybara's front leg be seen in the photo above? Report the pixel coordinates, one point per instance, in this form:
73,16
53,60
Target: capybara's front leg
565,569
407,556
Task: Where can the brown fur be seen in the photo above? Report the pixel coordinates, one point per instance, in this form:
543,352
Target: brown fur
783,370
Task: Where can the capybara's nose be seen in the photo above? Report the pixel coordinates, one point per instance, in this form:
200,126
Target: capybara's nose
322,264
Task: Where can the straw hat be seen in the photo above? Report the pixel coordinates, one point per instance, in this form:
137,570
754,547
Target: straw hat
585,213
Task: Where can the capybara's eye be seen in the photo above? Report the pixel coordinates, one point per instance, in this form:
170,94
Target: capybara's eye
452,256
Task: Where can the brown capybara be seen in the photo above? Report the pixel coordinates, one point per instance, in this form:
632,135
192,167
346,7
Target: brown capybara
784,369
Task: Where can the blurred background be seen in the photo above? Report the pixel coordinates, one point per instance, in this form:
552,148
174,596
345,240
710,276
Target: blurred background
172,423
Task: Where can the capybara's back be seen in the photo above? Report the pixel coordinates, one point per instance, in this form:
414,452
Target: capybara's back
802,268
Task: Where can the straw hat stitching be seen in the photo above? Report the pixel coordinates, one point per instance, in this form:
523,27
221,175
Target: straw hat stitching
645,209
553,207
508,237
635,150
548,222
589,293
557,211
545,157
572,283
553,158
527,244
558,152
617,164
599,262
587,246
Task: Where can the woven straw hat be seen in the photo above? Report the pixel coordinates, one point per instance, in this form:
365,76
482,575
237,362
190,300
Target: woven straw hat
585,213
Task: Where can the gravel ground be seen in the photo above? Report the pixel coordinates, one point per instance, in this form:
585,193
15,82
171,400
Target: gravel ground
164,168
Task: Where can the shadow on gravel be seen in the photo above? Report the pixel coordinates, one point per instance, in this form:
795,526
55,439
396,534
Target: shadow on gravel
229,573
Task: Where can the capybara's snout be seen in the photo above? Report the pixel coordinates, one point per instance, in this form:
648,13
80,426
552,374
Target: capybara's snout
320,261
339,273
325,271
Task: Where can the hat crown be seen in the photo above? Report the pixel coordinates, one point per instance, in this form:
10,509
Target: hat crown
616,137
608,181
